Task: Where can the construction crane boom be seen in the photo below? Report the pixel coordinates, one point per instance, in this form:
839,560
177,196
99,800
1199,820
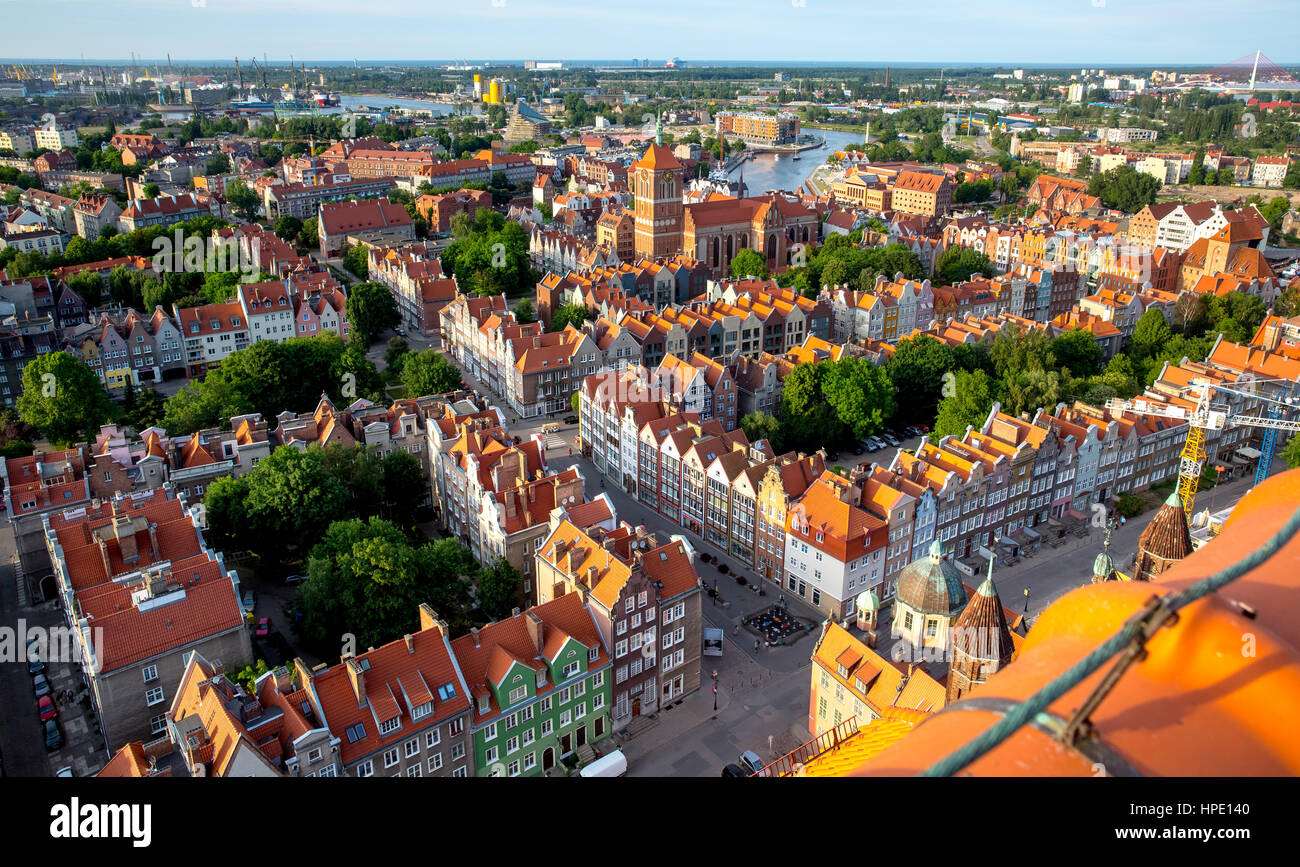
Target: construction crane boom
1205,417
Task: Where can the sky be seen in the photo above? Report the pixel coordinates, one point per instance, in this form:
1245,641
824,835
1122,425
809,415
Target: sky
942,32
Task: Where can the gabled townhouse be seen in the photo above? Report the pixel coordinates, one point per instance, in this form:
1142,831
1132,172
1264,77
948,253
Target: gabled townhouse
544,370
513,519
539,683
834,548
222,730
117,465
211,333
206,455
268,310
644,597
399,710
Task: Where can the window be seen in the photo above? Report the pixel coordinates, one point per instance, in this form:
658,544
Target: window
546,727
512,745
150,673
519,693
457,726
490,733
546,705
414,770
366,769
514,768
620,629
153,696
411,747
158,724
593,653
314,756
435,762
390,757
598,701
389,725
460,772
457,751
530,761
491,755
566,717
431,739
598,679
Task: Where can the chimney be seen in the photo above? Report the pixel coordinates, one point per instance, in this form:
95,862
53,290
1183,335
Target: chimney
591,576
153,541
534,624
514,612
283,680
358,679
473,631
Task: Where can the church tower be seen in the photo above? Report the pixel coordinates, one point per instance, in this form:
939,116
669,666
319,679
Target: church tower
1164,542
981,641
657,191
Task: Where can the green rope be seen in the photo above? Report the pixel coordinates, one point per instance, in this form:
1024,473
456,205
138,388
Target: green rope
1132,629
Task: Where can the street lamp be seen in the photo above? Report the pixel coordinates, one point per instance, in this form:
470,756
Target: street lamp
1026,600
715,698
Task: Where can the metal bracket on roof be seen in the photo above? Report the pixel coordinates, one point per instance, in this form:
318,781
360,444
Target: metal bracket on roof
1053,726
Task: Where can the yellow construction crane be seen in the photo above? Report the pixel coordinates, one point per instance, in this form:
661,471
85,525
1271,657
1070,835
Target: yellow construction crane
1204,417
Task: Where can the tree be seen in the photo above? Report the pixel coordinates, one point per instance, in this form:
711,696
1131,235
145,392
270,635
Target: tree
570,314
761,426
1275,210
525,312
1196,176
1292,179
1032,389
394,351
1084,169
371,310
307,235
150,191
1292,453
242,198
748,263
957,264
575,400
917,369
860,393
288,228
1078,351
807,421
1125,188
248,675
967,405
365,579
498,588
1150,334
62,397
430,372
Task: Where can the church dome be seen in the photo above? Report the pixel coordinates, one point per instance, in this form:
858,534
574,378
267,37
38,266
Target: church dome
932,585
868,601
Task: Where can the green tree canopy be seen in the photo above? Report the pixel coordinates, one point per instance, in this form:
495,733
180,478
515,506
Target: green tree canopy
371,310
430,372
748,263
62,397
570,314
967,406
917,369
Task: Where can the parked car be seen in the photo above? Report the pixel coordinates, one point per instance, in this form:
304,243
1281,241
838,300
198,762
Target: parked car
877,444
249,601
734,770
890,438
925,428
53,737
750,761
34,664
294,578
65,771
41,684
912,431
46,707
570,419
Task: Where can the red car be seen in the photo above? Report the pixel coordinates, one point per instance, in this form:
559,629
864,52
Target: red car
263,627
47,708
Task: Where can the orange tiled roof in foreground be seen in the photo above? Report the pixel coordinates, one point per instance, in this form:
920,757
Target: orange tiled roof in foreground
1195,688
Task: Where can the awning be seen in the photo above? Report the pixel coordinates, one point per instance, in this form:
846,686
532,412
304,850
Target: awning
1248,453
1030,533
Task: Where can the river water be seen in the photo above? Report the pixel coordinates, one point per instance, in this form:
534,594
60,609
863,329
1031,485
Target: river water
765,172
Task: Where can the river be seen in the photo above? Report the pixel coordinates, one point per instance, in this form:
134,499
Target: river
765,172
374,101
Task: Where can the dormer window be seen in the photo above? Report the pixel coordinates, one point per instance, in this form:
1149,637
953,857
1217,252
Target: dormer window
541,678
389,726
593,653
844,670
483,703
421,711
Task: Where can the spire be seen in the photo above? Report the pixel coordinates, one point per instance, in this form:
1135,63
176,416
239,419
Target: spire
659,128
936,552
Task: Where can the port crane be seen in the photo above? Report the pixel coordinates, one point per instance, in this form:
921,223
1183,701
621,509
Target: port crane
1207,416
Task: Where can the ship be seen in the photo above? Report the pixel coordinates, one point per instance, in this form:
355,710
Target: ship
325,100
